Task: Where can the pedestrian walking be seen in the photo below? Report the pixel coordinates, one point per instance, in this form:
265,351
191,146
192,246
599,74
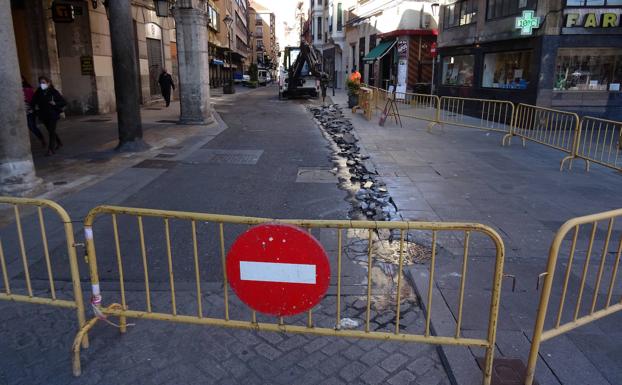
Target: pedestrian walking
48,104
166,83
29,93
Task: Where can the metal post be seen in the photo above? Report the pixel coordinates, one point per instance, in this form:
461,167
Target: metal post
432,85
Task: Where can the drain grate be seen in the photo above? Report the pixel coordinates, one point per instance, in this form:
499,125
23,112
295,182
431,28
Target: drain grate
153,108
100,120
315,175
167,121
157,164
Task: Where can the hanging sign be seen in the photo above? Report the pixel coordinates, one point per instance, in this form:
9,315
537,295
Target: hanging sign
62,13
527,23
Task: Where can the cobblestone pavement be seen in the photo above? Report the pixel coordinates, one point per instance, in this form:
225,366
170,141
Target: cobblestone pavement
154,352
36,340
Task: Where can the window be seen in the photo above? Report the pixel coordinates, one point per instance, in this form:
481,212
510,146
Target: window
458,70
504,8
259,43
339,17
259,30
592,3
459,13
214,18
319,28
588,69
506,70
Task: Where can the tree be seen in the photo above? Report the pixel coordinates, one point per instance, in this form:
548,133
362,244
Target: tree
253,72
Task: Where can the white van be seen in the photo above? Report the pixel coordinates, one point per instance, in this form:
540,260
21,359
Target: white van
262,77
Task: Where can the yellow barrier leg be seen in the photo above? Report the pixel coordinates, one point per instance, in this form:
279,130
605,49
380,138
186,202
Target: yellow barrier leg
123,324
568,158
78,340
509,139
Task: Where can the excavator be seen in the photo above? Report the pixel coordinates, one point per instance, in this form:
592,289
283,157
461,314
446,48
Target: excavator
301,73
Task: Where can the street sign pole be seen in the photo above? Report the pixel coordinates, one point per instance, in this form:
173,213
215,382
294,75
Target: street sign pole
433,54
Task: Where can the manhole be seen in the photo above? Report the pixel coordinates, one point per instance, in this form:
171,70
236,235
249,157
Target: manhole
100,120
506,371
157,164
222,156
315,175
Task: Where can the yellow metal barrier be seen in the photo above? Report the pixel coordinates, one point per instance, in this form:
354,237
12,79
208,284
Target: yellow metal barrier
485,114
366,101
368,230
600,142
410,105
572,318
28,295
552,128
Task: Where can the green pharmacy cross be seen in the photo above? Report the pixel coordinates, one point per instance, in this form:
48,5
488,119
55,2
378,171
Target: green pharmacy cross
527,22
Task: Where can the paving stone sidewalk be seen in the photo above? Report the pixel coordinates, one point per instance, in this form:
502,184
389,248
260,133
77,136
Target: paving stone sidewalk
37,339
462,174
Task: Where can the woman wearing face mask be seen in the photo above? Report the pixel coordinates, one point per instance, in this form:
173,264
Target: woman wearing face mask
49,104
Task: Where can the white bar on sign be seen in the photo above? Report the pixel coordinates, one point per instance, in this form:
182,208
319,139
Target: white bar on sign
277,272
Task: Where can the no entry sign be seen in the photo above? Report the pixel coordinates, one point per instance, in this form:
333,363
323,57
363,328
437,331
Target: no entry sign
278,269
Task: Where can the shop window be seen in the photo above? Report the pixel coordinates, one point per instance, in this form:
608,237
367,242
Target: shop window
592,3
505,8
458,70
585,69
459,13
506,70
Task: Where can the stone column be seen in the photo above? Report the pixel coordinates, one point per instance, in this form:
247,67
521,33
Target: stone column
17,172
125,76
192,54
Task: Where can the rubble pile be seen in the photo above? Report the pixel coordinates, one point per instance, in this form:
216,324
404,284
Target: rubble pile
369,196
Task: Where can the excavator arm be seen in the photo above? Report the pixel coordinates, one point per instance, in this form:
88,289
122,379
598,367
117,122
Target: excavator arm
309,55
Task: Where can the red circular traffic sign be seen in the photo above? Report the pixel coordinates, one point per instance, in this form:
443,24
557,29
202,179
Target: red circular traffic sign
278,269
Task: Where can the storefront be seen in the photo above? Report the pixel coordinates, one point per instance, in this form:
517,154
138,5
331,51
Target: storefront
505,70
574,65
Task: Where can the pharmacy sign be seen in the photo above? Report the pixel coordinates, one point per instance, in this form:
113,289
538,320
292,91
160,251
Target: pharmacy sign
527,23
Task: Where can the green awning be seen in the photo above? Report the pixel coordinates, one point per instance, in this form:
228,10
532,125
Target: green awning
379,51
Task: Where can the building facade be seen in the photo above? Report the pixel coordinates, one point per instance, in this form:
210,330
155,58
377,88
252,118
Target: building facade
564,54
264,47
70,43
389,43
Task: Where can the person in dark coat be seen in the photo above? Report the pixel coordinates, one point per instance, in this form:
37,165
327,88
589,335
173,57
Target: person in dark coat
29,93
48,104
166,83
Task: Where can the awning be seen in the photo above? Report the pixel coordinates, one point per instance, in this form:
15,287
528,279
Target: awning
379,51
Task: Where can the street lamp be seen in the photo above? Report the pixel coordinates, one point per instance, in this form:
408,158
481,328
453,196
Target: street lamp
162,7
228,88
